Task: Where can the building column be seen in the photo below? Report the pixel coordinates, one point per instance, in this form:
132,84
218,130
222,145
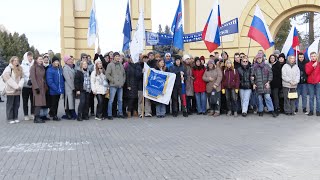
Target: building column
189,21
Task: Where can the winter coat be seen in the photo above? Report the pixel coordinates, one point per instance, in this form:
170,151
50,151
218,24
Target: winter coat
276,72
104,63
230,79
152,63
245,77
290,73
169,64
79,80
139,75
99,83
189,81
313,73
262,74
216,74
14,84
68,74
302,68
26,65
55,80
116,74
131,81
37,76
198,84
176,70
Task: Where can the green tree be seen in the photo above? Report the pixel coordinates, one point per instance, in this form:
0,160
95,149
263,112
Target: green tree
164,49
282,34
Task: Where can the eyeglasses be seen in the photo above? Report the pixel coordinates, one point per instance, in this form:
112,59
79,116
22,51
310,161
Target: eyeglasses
244,61
84,57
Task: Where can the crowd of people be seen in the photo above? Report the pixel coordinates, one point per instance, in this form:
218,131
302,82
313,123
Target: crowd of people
220,86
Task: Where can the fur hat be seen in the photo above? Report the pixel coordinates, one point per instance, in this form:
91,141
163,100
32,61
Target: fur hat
55,58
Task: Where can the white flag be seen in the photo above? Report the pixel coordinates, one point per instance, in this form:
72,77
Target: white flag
137,43
93,26
158,85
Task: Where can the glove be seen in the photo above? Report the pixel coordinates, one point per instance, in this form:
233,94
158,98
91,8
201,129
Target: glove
236,90
223,91
38,91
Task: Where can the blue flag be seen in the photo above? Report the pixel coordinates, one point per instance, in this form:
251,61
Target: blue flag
127,28
177,28
92,28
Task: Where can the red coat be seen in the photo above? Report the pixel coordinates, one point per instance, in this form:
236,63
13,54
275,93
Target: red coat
198,83
313,73
230,79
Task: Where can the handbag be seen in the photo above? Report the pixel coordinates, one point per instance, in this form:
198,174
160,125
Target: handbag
292,94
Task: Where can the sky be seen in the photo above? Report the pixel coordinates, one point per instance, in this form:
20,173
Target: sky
40,21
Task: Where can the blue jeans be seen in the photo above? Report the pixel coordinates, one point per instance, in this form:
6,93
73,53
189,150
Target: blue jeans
268,101
314,89
245,99
302,90
201,99
161,109
113,91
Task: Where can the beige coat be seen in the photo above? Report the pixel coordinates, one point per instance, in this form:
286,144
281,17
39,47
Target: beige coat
14,84
216,74
37,76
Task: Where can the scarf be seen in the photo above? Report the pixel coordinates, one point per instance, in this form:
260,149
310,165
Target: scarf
86,81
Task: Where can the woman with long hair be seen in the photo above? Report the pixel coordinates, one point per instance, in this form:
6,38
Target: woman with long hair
13,77
161,108
199,86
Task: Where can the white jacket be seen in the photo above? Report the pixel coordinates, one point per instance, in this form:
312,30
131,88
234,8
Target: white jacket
99,83
290,76
26,65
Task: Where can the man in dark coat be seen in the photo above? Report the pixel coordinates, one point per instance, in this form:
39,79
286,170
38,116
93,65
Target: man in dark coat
302,86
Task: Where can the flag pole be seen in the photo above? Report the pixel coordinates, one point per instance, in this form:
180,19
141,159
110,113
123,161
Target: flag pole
221,43
249,48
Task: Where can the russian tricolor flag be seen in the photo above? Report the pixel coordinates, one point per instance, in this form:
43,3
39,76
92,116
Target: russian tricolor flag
314,47
259,30
211,31
292,43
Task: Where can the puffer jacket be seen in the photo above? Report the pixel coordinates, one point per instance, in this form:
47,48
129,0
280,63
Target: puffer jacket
261,74
216,74
245,75
26,65
99,83
116,74
230,79
290,74
14,84
55,80
313,73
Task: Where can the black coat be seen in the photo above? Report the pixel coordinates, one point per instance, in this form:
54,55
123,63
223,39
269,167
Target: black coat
131,81
245,77
277,76
303,75
78,81
104,63
139,75
152,63
176,70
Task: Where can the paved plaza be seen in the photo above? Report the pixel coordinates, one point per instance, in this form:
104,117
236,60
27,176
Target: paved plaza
198,147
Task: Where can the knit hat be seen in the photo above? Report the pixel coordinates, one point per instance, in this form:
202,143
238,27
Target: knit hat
116,54
276,52
97,61
185,57
167,54
202,58
282,55
55,58
66,58
210,62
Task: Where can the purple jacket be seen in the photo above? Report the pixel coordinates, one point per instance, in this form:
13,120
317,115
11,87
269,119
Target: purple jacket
230,79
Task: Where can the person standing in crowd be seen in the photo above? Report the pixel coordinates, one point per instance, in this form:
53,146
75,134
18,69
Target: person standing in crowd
14,79
213,78
302,88
290,80
116,75
99,86
132,88
45,109
147,104
161,108
39,87
169,62
82,85
260,78
69,96
230,87
152,62
27,90
313,73
104,59
245,85
179,70
188,82
55,81
276,83
203,60
199,86
237,61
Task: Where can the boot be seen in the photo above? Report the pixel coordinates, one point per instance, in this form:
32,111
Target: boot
185,114
68,114
79,117
38,120
129,114
135,114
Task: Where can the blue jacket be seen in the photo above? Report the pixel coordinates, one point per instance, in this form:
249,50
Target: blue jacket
55,80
